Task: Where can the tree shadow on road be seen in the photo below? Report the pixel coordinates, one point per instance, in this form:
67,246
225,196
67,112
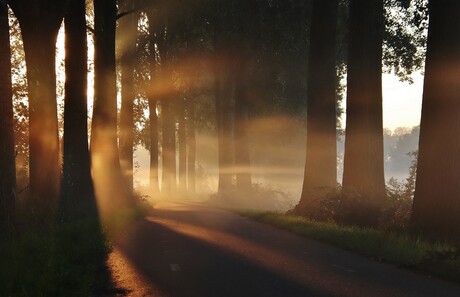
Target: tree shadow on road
179,265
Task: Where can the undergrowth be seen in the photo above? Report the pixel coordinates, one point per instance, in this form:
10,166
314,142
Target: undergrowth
436,258
65,260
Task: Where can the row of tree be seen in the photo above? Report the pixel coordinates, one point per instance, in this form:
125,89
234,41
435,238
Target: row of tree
255,61
436,200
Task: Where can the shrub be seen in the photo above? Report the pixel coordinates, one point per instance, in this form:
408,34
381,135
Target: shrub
353,209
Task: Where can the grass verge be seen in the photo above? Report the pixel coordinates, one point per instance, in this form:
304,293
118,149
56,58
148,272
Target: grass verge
67,260
435,258
64,260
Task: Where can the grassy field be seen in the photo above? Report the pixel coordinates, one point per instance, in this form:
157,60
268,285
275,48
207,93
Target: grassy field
435,258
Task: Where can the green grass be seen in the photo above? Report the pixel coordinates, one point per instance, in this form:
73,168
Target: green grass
64,260
435,258
67,260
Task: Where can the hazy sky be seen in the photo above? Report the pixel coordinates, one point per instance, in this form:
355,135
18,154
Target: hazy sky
402,102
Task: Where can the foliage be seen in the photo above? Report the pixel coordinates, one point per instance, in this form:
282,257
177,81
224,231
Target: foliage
400,196
352,209
440,259
406,27
19,80
347,209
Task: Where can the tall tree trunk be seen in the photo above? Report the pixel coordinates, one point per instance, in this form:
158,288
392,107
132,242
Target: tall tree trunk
40,22
152,98
363,176
153,116
110,184
169,147
242,157
7,155
127,34
168,181
436,205
182,137
191,143
222,98
77,192
223,25
321,152
104,123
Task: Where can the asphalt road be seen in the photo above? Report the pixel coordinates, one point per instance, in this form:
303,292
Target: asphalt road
185,250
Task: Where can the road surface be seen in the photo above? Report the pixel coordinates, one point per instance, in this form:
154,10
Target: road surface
185,250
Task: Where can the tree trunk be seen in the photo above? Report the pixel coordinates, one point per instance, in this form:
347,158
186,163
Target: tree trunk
153,115
182,147
363,176
321,152
223,135
7,155
436,205
104,123
127,34
110,184
168,181
169,147
242,157
77,192
222,95
40,22
191,143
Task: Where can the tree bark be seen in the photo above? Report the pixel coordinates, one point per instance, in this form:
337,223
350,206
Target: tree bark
40,22
363,176
191,143
110,184
182,137
242,157
321,152
7,151
104,123
127,34
153,102
168,184
77,192
222,99
436,205
168,180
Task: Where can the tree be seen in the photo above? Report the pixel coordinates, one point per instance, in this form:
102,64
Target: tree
104,123
182,137
363,176
222,31
242,157
7,152
153,103
321,162
436,205
77,192
127,34
191,144
40,21
223,111
110,184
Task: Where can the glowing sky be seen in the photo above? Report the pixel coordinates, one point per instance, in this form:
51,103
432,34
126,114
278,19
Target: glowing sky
402,102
